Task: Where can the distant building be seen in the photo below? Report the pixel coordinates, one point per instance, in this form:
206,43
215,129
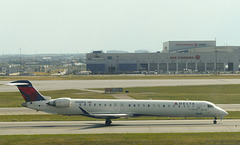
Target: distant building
141,51
116,51
4,70
171,46
41,64
179,57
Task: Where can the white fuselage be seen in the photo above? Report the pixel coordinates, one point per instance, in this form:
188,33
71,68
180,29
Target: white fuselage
134,108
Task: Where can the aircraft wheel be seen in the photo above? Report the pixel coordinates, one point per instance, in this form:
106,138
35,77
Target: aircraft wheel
108,122
215,120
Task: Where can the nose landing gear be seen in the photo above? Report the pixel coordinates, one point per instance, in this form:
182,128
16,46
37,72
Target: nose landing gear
215,120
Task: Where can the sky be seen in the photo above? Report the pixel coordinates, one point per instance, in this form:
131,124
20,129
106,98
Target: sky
82,26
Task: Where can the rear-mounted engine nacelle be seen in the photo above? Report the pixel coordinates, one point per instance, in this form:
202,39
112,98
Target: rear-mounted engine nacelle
61,102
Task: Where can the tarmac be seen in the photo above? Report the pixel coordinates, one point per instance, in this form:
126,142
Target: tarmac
98,127
86,84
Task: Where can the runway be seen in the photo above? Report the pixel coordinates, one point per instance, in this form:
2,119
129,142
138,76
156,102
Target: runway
83,84
98,127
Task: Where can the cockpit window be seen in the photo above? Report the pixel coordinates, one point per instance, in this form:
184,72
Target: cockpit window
210,106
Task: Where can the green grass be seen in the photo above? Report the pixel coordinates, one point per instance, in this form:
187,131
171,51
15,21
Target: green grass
11,99
218,94
74,94
50,117
122,139
121,77
15,99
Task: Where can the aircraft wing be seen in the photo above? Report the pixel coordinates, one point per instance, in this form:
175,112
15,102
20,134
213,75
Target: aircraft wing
104,115
111,115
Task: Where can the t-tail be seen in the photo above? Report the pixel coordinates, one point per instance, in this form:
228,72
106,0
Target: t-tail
28,92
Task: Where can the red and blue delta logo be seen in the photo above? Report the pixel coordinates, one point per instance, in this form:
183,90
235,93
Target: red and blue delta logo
197,57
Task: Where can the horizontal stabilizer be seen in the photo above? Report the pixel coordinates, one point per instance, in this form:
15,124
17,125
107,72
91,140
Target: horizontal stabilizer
20,83
17,84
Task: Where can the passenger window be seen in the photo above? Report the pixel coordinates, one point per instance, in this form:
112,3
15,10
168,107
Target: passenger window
105,105
89,105
99,104
163,105
148,105
134,105
129,105
94,105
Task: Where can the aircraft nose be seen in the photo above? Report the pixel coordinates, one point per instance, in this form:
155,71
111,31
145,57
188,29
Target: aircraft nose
222,112
225,112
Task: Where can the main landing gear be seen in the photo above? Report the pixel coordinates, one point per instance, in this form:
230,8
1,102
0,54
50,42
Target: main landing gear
108,122
215,120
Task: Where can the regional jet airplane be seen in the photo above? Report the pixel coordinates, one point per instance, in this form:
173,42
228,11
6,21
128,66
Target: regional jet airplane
111,109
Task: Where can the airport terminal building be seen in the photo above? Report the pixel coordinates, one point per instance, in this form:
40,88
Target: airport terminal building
176,57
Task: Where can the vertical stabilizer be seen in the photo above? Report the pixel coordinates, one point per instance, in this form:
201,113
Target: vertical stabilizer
28,92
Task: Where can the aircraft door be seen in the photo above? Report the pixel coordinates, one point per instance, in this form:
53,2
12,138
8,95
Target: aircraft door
199,109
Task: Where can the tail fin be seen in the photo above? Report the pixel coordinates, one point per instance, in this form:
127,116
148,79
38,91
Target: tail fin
28,92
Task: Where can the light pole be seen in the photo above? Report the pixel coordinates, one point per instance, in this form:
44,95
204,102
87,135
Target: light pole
20,67
68,66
